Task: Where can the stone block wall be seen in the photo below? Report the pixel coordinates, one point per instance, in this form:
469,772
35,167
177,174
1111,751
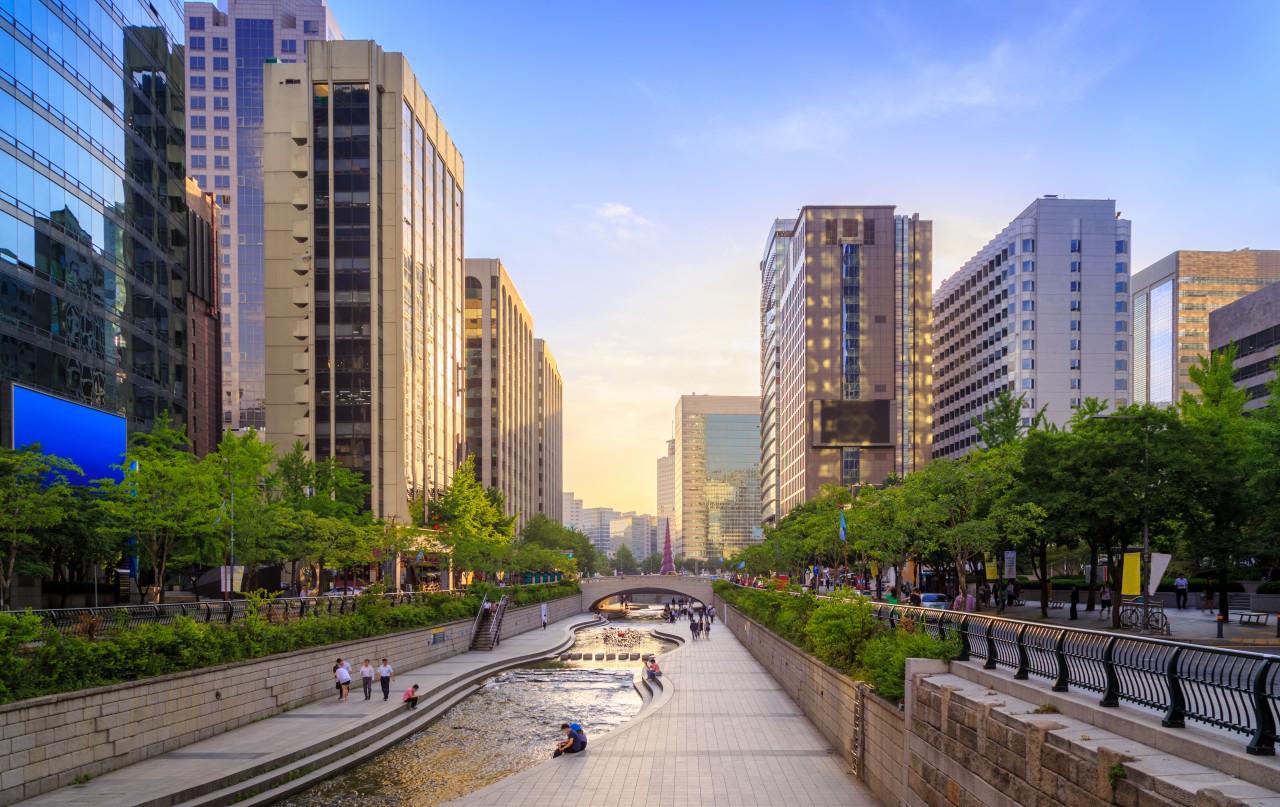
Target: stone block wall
46,742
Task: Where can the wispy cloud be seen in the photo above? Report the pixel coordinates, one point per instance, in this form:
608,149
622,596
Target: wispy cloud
619,222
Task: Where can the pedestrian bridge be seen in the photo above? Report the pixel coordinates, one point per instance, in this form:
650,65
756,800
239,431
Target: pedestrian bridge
596,590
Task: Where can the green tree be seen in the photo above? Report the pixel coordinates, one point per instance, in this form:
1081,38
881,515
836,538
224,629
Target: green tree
652,564
624,561
243,467
550,534
34,497
1001,423
474,528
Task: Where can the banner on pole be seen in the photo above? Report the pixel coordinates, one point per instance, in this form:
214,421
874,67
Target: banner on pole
1131,576
1010,564
992,567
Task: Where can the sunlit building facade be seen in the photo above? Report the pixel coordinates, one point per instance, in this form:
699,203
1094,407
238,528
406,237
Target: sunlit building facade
571,511
1172,300
227,50
93,205
716,482
364,271
550,419
852,309
667,482
775,256
597,524
204,348
1042,312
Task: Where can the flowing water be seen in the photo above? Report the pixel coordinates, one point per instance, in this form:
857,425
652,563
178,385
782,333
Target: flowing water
511,723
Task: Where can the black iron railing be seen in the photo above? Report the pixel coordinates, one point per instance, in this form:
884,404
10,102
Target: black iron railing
1231,689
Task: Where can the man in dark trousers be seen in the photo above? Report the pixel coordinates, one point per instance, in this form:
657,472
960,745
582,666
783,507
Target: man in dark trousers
1075,601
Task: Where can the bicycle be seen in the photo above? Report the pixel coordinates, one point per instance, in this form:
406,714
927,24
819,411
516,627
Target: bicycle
1131,617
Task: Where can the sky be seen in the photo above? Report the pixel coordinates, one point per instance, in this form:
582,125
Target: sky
625,160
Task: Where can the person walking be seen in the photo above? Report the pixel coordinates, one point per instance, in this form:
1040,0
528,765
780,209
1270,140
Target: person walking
343,678
1104,600
1075,602
1206,601
544,616
1180,591
693,629
706,630
386,674
366,678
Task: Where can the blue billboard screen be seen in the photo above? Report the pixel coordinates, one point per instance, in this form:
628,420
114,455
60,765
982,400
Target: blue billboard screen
92,439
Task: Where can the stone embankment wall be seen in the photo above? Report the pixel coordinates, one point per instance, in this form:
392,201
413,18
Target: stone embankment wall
965,737
45,743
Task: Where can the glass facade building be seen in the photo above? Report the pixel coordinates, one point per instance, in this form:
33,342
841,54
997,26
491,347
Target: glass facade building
93,210
717,476
227,52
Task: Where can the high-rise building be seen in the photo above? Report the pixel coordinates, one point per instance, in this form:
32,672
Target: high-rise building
666,482
1042,312
717,476
1252,324
204,343
227,50
775,257
571,511
501,392
93,205
635,532
853,384
364,274
1172,299
550,417
597,525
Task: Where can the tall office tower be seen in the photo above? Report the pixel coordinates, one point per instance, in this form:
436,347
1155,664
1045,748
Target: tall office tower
550,417
717,476
364,275
635,532
1042,311
226,52
571,511
204,343
93,209
1252,324
596,524
1172,299
501,392
666,482
775,257
854,349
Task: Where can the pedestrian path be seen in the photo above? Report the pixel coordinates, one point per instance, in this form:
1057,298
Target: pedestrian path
1185,625
240,754
727,735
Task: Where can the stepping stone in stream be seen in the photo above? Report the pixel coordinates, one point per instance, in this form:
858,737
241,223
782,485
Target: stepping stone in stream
599,656
564,656
575,656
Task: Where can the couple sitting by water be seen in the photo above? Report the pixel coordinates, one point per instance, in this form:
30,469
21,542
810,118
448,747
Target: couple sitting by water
575,740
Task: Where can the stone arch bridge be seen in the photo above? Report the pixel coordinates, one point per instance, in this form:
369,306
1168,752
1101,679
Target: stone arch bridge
596,590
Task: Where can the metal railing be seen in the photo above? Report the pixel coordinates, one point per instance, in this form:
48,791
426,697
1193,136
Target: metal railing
495,626
1236,690
475,626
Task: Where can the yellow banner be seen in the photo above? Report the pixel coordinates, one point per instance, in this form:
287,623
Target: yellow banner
1131,583
992,566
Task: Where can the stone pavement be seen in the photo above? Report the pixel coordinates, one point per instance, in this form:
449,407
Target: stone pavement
247,747
727,735
1188,625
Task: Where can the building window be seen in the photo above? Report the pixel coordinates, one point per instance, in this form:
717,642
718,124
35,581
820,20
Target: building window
198,121
199,162
1075,266
1028,383
1075,285
1075,344
1075,324
221,83
1028,305
1028,364
311,27
221,122
288,46
201,180
197,83
1122,287
1120,268
1122,384
198,141
1075,403
1075,364
1028,344
1075,242
220,43
1028,325
221,142
196,102
197,62
1075,383
1122,306
221,102
222,182
1028,285
1122,346
195,23
1121,326
221,64
1075,305
1028,266
222,162
195,43
1121,248
1028,245
1122,365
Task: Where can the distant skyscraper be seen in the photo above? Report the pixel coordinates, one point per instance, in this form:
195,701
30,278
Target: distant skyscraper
845,313
571,511
1172,299
226,52
93,206
1041,311
635,532
667,481
550,433
597,523
364,279
717,475
204,345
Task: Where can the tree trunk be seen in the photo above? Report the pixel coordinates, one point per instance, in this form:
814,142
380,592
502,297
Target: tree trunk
1093,575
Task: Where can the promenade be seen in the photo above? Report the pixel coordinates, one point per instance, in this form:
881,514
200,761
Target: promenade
238,755
722,733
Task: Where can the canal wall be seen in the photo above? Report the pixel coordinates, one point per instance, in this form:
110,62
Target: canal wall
46,743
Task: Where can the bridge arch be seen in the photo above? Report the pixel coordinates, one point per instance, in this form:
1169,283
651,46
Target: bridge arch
596,590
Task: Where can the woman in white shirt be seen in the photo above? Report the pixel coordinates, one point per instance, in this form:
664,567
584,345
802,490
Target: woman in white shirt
343,678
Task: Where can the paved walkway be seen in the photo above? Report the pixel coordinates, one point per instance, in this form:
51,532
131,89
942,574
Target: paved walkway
1188,625
728,735
248,746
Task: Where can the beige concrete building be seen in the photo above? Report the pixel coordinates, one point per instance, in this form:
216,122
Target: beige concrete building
851,305
1171,301
667,481
1252,324
364,273
716,476
550,433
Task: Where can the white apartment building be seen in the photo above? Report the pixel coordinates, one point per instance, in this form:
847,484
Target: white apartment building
571,511
1041,311
774,259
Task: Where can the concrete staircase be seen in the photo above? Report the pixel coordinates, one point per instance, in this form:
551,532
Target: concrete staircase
488,630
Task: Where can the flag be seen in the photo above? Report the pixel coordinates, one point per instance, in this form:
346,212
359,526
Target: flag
741,564
844,531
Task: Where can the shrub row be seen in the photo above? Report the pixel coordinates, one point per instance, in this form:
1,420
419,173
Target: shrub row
58,663
843,634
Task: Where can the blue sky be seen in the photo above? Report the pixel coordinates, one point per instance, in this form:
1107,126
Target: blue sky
625,160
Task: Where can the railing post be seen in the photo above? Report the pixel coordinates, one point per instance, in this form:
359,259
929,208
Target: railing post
1111,694
1020,672
962,624
1060,652
231,610
991,646
1175,718
1263,742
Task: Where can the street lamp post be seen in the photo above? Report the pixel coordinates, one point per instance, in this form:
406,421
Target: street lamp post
1145,564
231,568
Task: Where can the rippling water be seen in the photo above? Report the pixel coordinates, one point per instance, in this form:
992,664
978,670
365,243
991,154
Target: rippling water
510,724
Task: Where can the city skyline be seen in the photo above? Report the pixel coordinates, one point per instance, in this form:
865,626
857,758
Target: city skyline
656,159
